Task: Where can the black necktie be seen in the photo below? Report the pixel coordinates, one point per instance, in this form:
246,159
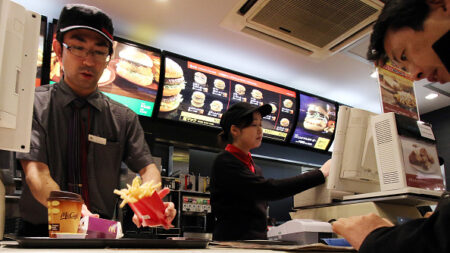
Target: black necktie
74,148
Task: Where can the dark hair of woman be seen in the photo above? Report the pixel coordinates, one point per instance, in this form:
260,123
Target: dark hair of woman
225,137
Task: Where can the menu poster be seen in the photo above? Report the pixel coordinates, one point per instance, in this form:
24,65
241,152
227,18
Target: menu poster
397,91
316,122
421,163
132,76
207,92
40,55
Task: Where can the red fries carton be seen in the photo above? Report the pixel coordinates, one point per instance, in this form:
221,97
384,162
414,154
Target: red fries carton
146,202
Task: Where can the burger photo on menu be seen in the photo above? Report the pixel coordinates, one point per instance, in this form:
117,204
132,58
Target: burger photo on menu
200,80
288,103
239,93
257,94
216,106
156,67
316,120
239,89
107,77
219,84
219,88
173,84
198,100
284,122
135,66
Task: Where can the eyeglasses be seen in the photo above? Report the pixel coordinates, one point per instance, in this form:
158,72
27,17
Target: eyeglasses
99,56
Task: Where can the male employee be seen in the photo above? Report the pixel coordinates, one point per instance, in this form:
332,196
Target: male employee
80,136
414,34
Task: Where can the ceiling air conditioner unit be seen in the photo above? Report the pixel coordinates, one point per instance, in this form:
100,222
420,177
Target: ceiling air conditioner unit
317,28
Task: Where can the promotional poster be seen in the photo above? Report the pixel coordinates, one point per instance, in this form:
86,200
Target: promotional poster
422,165
397,91
316,122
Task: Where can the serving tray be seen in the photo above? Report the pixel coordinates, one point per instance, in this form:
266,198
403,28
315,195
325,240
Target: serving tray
46,242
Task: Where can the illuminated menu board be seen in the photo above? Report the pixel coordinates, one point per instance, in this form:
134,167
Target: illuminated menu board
316,122
131,77
199,93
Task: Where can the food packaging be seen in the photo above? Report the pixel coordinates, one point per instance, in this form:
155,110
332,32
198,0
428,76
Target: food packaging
150,210
100,228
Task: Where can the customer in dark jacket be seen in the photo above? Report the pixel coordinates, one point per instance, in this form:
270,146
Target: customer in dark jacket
239,192
415,35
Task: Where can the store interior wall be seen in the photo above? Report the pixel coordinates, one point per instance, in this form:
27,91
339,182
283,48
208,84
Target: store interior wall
441,128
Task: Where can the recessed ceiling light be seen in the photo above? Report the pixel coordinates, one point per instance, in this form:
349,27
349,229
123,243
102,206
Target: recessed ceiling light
374,74
431,96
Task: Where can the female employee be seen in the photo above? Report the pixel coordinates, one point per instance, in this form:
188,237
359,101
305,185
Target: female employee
239,192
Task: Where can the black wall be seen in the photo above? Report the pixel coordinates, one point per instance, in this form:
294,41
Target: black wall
440,121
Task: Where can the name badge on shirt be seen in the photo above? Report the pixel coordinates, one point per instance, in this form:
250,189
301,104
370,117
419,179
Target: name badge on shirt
97,139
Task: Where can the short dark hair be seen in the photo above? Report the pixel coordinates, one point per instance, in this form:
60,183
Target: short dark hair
396,14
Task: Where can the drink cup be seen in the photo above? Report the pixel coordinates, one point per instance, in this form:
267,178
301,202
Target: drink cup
64,212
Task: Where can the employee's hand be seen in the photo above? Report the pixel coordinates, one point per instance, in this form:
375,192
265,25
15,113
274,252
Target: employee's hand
326,168
427,214
169,215
356,229
85,212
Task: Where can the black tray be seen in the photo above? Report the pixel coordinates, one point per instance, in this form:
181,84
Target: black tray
45,242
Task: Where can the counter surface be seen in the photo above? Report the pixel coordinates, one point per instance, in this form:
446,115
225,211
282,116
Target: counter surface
13,247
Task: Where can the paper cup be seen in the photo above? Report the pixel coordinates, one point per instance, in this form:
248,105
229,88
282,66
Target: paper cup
64,212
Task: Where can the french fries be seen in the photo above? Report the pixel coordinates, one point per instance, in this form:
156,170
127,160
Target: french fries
136,191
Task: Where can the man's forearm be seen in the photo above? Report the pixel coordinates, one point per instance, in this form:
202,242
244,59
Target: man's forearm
39,180
150,172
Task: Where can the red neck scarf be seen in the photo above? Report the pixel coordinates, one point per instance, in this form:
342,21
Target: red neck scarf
243,157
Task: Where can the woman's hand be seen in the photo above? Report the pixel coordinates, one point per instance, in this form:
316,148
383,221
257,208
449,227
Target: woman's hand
326,168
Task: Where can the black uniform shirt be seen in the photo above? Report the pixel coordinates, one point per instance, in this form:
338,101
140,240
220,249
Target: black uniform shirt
239,197
110,120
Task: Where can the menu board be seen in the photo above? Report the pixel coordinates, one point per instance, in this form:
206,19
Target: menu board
316,122
199,93
131,77
40,55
